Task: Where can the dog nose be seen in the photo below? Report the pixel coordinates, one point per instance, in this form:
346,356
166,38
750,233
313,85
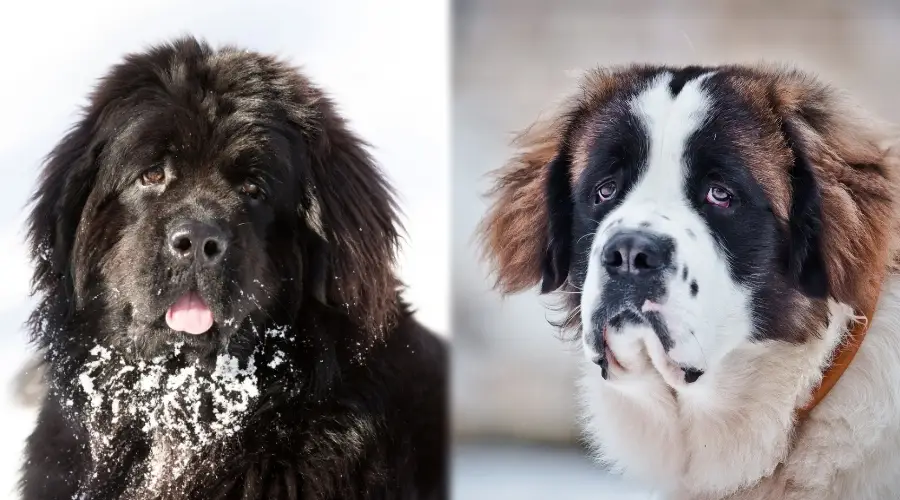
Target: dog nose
637,253
197,241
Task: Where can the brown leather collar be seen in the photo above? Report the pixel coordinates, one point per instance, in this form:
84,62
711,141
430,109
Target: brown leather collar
843,355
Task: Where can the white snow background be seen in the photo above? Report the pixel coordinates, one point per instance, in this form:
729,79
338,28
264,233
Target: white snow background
384,62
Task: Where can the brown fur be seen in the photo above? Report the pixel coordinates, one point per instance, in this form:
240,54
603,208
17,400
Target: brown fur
514,233
854,166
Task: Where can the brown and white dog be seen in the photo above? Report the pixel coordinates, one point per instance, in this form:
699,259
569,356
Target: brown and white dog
721,239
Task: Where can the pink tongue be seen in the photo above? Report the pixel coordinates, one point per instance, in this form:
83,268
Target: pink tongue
189,314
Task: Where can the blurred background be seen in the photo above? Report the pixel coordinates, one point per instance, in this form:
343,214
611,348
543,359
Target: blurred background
385,63
513,61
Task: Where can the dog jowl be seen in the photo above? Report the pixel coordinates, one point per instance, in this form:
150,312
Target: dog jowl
658,222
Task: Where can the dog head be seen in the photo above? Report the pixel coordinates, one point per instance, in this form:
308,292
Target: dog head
696,209
202,192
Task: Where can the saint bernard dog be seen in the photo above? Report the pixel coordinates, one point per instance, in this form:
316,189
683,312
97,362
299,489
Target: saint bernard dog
724,242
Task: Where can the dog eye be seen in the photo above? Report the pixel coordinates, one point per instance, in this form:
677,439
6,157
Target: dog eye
153,176
719,196
252,190
605,192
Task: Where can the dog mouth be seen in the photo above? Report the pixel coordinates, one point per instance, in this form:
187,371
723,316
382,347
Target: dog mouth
190,314
650,313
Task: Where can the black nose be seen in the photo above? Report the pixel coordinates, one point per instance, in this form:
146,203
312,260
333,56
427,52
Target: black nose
637,253
197,241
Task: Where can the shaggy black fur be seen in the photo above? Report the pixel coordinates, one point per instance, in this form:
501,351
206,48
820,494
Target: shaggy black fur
335,392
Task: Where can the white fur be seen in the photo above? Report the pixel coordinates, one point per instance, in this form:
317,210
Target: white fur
725,435
726,441
705,328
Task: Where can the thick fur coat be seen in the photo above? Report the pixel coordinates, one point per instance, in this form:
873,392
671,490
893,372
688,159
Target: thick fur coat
713,234
224,178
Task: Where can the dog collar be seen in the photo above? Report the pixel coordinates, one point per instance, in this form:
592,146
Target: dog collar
841,359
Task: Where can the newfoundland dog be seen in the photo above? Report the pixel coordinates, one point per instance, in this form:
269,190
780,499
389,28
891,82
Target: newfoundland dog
219,312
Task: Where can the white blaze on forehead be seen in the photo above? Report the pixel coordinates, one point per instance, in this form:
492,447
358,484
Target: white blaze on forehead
669,123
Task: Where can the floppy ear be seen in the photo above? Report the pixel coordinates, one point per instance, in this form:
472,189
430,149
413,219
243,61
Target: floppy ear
844,181
355,211
805,261
526,233
64,185
560,207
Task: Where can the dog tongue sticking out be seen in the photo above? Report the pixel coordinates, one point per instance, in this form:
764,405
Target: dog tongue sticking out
190,314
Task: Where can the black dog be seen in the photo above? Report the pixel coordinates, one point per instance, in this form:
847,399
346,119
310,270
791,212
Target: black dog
220,316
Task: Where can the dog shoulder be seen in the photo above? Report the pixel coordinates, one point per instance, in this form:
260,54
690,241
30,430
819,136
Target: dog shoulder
856,429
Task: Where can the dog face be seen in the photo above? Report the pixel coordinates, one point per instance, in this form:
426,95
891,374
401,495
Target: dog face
672,232
194,202
687,211
183,211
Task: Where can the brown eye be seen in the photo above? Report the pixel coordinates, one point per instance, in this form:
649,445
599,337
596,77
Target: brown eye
252,190
153,176
605,192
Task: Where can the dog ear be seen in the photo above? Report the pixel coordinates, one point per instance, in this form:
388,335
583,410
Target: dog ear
64,185
805,262
352,209
317,270
844,185
560,208
525,234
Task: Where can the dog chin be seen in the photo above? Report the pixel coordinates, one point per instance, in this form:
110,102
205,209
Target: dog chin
638,344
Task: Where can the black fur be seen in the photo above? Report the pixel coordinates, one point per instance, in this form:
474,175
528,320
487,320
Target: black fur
691,375
683,75
776,262
805,263
619,154
559,241
351,390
